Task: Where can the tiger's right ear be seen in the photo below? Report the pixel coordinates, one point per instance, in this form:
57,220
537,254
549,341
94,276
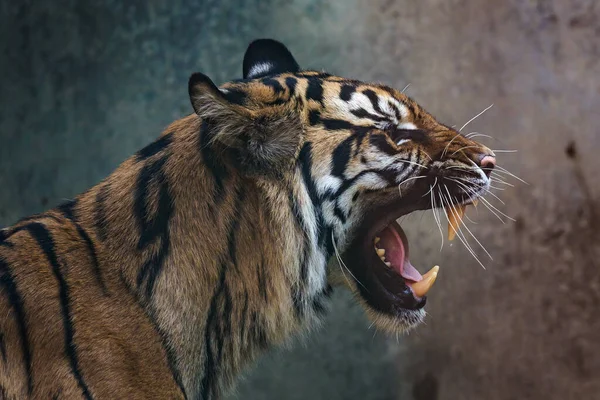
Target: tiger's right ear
211,103
265,141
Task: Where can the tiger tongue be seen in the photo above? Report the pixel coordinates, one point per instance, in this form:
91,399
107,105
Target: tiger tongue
395,253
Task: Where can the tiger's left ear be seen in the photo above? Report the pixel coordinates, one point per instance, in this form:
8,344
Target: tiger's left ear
264,140
266,57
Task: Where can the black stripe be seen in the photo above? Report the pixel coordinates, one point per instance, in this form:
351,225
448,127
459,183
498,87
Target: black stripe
274,84
155,147
210,364
67,209
340,214
313,74
7,282
291,84
262,282
151,230
346,92
396,111
416,135
218,325
152,267
362,113
46,243
2,347
313,117
215,167
337,124
383,144
235,96
374,99
243,319
166,346
314,90
158,227
341,157
100,212
305,158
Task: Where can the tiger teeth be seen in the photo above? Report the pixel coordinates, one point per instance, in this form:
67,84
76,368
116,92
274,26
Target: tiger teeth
381,252
389,264
377,239
421,288
455,216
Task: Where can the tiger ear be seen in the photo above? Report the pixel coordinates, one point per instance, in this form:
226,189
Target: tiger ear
263,140
266,57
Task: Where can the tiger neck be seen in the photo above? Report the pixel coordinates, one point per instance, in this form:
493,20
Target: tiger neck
224,266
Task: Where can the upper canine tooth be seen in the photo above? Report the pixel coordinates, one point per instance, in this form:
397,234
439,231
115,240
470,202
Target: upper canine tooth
380,252
455,216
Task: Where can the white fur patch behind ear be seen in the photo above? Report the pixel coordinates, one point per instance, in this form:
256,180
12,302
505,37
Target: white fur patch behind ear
262,68
407,125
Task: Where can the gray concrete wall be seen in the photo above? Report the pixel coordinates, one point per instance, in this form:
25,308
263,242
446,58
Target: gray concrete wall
85,84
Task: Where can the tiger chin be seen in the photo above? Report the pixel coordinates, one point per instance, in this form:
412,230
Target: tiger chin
226,236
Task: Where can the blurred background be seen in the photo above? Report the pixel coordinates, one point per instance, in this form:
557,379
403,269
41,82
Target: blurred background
86,84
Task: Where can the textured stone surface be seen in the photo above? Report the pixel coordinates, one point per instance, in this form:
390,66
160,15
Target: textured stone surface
85,84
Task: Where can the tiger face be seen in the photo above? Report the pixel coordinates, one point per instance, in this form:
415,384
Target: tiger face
355,157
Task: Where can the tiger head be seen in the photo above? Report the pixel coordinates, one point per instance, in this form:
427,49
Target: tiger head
354,157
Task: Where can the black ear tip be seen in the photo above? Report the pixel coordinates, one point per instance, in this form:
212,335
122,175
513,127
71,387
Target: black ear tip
274,55
199,79
269,44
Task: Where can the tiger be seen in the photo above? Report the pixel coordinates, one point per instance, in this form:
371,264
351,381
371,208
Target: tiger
226,236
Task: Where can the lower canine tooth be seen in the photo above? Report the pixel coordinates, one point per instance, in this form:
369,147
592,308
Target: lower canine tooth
421,288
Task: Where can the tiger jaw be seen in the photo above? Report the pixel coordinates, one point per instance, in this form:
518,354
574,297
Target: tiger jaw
393,291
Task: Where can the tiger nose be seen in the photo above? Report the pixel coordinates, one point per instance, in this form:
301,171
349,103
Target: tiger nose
487,164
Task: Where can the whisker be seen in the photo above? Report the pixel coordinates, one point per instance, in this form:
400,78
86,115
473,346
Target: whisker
475,117
434,183
505,151
496,178
486,204
448,145
460,234
462,148
507,172
413,163
436,217
344,264
405,87
468,230
466,187
500,212
477,134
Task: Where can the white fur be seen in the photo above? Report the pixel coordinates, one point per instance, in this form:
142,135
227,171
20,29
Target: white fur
259,68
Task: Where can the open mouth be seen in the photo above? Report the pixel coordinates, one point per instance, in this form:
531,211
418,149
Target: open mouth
391,246
379,261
